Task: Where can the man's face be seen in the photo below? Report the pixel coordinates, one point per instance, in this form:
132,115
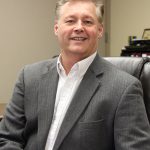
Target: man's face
78,29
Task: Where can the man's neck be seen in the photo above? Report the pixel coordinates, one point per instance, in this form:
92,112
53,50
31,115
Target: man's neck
68,60
68,63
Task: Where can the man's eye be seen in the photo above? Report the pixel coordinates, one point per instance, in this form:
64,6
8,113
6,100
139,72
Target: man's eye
88,22
69,21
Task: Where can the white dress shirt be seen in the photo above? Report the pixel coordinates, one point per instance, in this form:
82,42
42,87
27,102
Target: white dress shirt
67,86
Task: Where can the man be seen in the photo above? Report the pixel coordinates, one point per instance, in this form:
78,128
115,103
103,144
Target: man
77,101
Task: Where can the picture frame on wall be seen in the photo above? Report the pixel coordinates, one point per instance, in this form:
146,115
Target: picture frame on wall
146,34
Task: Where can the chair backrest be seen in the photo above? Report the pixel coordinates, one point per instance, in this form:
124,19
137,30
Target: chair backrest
138,67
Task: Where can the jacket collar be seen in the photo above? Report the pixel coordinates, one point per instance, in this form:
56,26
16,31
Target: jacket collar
46,100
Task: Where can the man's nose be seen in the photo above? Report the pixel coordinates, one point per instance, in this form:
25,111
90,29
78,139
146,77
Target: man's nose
79,27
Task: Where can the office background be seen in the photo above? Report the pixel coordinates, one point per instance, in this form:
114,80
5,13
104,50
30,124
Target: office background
26,33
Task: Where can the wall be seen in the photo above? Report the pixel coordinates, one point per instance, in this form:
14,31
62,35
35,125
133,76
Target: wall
128,17
26,36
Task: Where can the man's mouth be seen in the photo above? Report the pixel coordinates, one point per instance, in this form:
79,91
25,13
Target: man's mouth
78,38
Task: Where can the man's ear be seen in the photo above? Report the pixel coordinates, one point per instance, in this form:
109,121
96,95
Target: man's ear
100,31
56,27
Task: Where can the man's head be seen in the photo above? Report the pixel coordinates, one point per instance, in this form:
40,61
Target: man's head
78,26
98,3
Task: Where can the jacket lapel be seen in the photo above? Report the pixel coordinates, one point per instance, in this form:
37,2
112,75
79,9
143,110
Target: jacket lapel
87,88
46,101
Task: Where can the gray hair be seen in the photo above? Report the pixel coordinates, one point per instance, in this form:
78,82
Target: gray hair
98,3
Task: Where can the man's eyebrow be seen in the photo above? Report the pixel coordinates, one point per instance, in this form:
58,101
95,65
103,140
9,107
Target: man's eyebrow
70,16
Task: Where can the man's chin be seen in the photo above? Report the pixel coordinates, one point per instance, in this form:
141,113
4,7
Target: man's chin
78,51
78,48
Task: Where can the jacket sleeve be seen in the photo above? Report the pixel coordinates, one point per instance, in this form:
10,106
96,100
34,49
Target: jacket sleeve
13,123
131,125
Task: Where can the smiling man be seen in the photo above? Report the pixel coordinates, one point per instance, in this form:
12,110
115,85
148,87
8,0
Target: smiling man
78,30
77,101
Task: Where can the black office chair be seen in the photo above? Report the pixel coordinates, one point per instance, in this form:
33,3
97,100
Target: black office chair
138,67
1,117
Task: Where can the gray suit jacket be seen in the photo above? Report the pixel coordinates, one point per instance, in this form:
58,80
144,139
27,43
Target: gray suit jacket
106,113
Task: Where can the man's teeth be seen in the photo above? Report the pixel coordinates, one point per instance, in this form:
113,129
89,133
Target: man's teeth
78,38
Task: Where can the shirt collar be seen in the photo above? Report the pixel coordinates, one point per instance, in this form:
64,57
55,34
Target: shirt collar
81,66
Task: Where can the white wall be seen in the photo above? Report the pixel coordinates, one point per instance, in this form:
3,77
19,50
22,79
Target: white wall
26,36
128,17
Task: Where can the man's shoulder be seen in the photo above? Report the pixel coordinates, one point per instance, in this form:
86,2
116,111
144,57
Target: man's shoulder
41,64
116,74
35,70
121,76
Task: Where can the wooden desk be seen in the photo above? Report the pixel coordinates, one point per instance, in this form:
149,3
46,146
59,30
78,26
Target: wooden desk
136,51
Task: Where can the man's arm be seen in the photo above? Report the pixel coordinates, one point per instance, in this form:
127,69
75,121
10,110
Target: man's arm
131,125
13,123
